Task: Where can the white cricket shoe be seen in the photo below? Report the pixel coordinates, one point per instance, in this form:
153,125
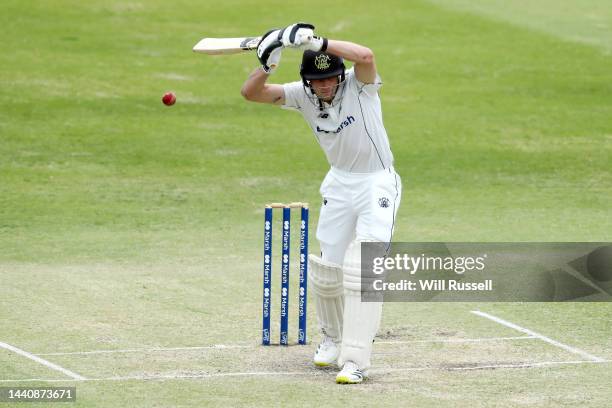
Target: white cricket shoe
327,352
351,374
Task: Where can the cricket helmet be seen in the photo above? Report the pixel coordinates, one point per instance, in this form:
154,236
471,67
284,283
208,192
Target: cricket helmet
321,65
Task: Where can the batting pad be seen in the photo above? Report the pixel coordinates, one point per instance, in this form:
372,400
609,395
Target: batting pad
326,280
361,319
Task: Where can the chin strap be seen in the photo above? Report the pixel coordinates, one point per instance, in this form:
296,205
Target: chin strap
321,107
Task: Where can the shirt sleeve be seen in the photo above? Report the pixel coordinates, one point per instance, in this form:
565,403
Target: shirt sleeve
294,95
369,89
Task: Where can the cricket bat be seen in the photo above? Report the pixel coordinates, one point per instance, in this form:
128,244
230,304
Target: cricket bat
224,46
219,46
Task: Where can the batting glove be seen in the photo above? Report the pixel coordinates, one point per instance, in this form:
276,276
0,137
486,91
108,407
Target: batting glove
269,50
296,34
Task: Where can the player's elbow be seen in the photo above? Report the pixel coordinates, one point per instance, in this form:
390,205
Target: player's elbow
244,91
247,93
366,56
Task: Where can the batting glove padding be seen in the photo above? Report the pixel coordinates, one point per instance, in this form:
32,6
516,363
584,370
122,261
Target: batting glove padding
301,36
269,50
296,34
315,44
273,61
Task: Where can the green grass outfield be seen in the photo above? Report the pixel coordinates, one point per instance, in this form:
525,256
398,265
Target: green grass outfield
128,225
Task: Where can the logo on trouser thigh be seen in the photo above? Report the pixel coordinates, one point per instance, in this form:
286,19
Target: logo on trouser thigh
325,201
384,202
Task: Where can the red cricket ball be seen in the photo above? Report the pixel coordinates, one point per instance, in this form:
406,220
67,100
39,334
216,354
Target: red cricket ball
169,98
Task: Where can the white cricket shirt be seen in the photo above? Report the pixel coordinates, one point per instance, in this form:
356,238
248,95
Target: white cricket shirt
351,132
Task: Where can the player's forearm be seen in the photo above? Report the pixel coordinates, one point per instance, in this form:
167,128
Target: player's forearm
350,51
254,84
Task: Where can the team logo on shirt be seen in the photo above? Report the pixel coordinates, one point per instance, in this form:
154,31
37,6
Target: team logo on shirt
322,61
384,202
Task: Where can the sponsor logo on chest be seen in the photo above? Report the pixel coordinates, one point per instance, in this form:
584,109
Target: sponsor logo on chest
345,123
